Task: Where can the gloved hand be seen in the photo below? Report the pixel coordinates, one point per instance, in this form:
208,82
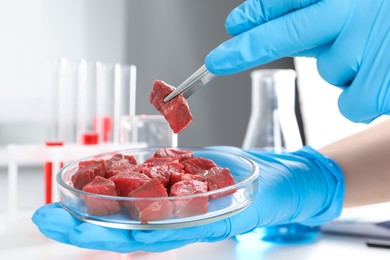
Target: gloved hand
303,187
350,40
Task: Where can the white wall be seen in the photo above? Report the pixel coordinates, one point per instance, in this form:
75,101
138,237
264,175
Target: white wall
33,33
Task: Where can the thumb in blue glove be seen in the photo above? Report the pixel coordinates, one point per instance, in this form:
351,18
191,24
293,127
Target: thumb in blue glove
350,40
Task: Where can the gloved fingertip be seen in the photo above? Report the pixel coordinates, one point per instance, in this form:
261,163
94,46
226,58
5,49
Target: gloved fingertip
347,108
215,64
38,216
231,27
44,208
40,212
209,63
48,229
35,217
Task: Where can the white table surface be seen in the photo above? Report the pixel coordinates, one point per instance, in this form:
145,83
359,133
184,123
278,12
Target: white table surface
22,240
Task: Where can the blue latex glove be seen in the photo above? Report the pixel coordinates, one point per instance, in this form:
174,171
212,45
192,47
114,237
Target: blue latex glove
303,187
349,38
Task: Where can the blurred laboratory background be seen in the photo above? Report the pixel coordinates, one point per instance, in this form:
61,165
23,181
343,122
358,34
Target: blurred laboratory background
166,40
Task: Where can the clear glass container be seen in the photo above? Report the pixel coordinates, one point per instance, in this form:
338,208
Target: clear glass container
105,93
113,211
62,94
273,126
151,130
86,103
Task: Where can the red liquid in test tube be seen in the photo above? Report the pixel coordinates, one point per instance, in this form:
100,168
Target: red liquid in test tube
103,125
48,168
90,138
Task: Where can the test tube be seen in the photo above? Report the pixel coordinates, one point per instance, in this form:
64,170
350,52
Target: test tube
55,129
131,71
55,134
124,96
86,103
117,100
106,93
133,87
104,102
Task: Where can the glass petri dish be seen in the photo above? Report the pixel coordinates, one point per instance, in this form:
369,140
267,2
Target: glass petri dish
221,203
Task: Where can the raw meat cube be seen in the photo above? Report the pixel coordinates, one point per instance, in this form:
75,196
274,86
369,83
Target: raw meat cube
169,170
160,173
154,161
175,177
163,172
180,176
189,207
157,210
127,182
217,178
86,172
100,206
176,111
120,163
198,176
150,210
182,155
173,166
195,165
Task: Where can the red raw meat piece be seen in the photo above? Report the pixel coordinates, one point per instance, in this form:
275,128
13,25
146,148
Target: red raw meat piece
189,207
169,169
154,161
182,155
135,168
157,210
198,176
217,178
120,163
195,165
86,172
175,177
163,172
176,111
100,206
150,210
127,182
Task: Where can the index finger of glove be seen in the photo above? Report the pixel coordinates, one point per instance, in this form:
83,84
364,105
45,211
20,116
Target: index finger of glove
289,34
252,13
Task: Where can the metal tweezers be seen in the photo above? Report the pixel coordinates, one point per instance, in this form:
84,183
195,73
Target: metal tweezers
195,82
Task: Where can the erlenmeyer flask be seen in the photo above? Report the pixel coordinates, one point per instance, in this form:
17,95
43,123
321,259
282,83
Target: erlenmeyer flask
273,126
